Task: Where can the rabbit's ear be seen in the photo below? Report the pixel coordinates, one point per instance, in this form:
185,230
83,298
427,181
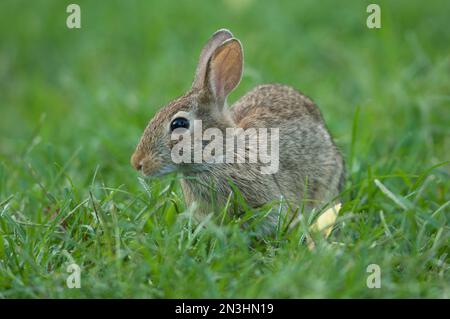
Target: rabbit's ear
225,69
213,43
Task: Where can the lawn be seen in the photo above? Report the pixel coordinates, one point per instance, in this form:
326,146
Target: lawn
74,102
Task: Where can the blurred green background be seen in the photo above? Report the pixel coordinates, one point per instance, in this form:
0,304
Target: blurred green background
73,102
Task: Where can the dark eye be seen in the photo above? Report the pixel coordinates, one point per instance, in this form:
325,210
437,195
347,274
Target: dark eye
179,122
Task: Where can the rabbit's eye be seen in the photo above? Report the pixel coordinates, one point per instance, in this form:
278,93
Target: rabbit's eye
179,122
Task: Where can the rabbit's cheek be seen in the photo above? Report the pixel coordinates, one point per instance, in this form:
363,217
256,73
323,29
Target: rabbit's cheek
150,166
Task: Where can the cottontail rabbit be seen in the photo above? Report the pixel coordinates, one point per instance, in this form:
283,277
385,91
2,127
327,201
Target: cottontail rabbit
310,170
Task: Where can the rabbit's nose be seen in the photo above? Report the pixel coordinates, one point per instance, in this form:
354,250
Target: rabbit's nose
136,161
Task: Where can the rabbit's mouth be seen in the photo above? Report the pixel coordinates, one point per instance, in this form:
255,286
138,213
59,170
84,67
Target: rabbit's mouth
167,169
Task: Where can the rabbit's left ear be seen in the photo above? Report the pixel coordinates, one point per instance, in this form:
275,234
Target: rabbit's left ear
213,43
225,69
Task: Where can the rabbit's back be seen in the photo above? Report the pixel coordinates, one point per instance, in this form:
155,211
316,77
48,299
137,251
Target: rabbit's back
309,162
273,104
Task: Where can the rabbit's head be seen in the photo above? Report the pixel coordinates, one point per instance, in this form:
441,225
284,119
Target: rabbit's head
218,72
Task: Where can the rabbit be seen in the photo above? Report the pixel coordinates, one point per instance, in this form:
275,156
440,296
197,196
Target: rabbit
311,169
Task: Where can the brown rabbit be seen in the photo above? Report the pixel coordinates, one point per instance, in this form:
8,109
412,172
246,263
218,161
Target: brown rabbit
311,169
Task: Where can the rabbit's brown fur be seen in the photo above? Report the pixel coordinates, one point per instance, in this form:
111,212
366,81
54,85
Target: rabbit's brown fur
311,169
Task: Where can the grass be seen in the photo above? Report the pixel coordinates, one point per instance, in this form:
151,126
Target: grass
74,103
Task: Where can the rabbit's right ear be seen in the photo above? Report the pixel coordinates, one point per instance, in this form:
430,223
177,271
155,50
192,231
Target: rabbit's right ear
213,43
